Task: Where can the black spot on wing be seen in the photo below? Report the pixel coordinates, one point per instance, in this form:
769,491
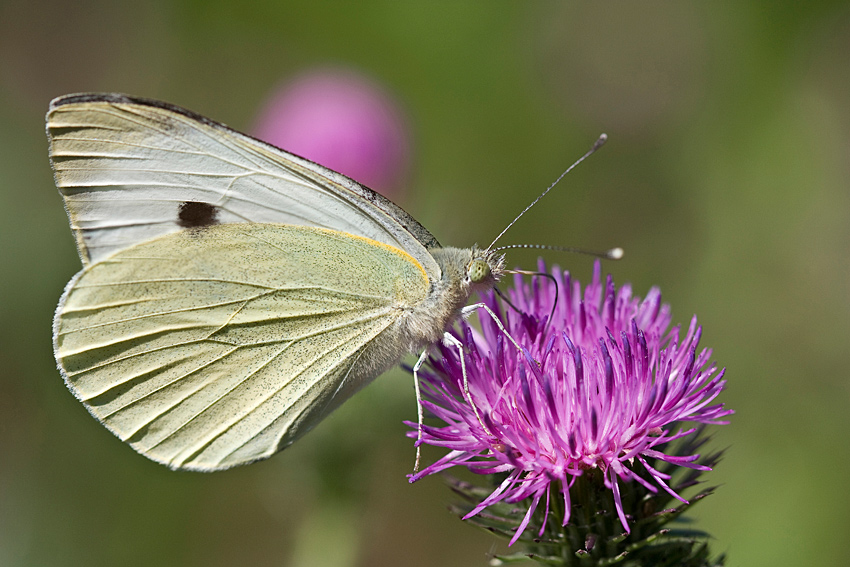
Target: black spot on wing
194,214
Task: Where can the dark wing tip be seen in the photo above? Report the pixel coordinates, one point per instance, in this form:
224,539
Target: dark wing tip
119,98
77,98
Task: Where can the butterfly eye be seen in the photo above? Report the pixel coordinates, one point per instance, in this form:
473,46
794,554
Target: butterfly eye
478,270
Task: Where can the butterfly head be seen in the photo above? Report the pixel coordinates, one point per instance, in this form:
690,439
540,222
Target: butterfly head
485,268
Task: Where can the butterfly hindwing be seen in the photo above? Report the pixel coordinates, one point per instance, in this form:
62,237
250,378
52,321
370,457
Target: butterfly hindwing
216,346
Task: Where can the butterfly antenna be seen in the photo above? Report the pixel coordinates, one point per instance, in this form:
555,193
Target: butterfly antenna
612,254
598,144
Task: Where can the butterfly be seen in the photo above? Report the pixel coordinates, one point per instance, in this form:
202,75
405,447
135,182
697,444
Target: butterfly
232,294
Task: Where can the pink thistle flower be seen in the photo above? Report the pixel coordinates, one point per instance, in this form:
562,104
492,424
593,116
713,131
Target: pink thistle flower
342,120
601,385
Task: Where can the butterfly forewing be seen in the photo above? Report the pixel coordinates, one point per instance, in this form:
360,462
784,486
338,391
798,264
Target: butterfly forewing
126,166
217,346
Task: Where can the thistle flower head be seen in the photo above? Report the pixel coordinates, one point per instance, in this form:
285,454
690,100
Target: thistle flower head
601,383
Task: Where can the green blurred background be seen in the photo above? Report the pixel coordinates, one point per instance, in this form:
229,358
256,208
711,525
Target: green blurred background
725,179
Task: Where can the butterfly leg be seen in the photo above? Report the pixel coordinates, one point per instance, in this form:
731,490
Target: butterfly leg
416,367
451,340
466,311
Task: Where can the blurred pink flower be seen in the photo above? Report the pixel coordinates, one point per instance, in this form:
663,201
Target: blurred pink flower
342,120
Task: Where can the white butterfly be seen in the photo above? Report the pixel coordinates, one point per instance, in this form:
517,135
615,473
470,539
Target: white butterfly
232,294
